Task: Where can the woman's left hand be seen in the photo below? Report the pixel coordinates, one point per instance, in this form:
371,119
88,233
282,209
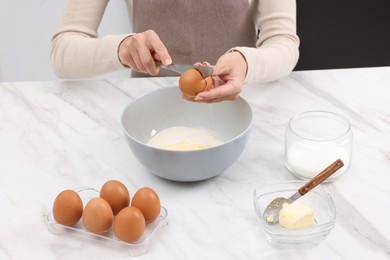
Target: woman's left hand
228,78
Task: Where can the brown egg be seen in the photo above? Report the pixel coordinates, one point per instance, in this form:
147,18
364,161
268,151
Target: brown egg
129,224
68,208
116,194
97,216
191,83
147,200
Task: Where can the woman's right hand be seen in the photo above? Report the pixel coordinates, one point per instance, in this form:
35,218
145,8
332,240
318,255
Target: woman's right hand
141,50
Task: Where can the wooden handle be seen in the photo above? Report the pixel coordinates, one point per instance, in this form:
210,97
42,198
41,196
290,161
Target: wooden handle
321,177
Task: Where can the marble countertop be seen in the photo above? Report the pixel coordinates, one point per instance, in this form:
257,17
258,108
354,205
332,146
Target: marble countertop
66,134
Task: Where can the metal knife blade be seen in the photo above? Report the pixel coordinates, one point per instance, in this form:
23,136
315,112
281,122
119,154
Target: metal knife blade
181,68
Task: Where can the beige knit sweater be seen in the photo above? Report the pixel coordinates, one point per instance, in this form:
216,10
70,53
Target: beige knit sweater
77,52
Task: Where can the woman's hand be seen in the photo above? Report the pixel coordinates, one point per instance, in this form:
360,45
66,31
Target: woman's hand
141,50
228,78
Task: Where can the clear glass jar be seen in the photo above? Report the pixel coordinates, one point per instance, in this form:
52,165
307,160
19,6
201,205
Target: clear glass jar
314,140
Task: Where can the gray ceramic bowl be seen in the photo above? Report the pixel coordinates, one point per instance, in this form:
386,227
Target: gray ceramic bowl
229,121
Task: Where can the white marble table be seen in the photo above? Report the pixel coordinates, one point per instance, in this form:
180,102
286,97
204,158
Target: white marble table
66,134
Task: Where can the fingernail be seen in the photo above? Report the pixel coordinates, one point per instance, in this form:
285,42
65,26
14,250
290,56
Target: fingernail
168,62
198,98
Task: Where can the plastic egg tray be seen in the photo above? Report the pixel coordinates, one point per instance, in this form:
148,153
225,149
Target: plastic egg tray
137,248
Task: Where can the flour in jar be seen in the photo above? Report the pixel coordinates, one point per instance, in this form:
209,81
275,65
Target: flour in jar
184,138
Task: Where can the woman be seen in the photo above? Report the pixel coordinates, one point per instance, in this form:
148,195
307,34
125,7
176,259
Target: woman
247,40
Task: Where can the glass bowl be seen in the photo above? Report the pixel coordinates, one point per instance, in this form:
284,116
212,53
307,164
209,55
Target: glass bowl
318,199
315,139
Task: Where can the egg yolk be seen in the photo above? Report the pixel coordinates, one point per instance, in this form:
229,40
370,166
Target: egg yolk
184,145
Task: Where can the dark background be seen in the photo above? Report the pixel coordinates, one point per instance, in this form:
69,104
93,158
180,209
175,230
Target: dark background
343,33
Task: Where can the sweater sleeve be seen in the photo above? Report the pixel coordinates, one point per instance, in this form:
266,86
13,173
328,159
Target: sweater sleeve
276,52
76,51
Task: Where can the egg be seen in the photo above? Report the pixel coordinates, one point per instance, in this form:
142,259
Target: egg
148,202
129,224
191,82
67,208
116,194
97,216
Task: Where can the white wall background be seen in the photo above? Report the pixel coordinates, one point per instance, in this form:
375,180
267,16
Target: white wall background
26,27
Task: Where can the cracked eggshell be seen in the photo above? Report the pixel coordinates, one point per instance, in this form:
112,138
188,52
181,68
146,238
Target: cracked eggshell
191,83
